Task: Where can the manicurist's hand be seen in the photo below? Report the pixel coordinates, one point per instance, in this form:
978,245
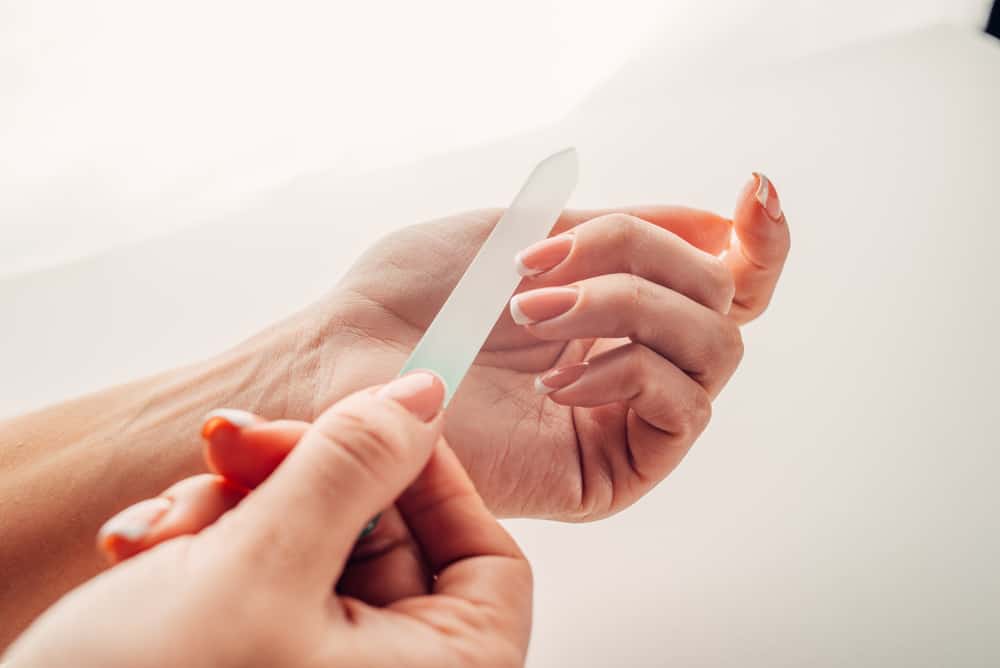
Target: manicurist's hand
599,378
214,575
627,326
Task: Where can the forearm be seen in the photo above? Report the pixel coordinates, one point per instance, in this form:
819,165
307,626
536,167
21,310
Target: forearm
67,468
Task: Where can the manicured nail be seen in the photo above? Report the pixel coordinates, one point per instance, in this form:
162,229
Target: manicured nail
221,418
559,378
544,255
133,523
542,304
767,196
420,392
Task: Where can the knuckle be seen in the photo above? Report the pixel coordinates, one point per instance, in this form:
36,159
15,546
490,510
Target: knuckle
622,231
718,354
627,306
618,299
635,288
636,366
690,413
732,345
365,445
724,345
486,216
696,413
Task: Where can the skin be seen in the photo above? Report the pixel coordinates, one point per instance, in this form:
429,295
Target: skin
657,321
443,585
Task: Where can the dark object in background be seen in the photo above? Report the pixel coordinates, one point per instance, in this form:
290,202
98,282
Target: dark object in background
993,24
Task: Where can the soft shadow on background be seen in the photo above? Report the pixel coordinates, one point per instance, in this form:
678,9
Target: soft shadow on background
122,120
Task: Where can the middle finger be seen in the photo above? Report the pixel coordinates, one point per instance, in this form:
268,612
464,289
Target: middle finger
702,342
619,243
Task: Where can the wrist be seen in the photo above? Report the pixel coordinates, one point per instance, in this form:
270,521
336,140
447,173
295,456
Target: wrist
287,370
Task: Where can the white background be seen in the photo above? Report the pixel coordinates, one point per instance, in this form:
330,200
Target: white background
120,119
839,511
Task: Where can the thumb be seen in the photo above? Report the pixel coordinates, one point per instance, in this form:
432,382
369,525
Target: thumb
301,524
759,248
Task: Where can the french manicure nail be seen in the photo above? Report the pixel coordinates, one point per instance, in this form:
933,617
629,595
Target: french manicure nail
767,196
420,392
222,417
544,255
133,523
559,378
542,304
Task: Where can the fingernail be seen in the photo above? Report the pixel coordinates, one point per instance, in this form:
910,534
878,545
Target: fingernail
133,523
221,418
542,304
559,378
544,255
420,392
767,196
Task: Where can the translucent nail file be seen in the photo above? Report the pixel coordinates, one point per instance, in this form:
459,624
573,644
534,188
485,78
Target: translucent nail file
453,340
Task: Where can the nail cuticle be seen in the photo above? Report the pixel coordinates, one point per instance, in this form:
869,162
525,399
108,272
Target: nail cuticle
535,306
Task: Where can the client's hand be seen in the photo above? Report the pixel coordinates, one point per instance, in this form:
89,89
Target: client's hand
596,383
438,584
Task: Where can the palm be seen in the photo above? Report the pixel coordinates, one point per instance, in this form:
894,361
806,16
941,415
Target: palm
497,424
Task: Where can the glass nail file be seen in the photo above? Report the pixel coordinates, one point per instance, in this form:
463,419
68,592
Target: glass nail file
454,338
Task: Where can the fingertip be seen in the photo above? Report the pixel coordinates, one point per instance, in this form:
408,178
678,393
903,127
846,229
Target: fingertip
226,419
767,197
759,202
114,549
221,436
559,378
125,533
759,222
759,248
248,456
420,392
107,545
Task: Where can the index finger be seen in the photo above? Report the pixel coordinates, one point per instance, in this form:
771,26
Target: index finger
351,463
702,229
759,248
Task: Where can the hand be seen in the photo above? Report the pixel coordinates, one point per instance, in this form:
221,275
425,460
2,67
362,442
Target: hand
630,357
440,583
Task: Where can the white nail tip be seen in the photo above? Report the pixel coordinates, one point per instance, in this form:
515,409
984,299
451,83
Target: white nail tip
519,316
763,190
233,416
131,531
523,269
542,388
134,522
